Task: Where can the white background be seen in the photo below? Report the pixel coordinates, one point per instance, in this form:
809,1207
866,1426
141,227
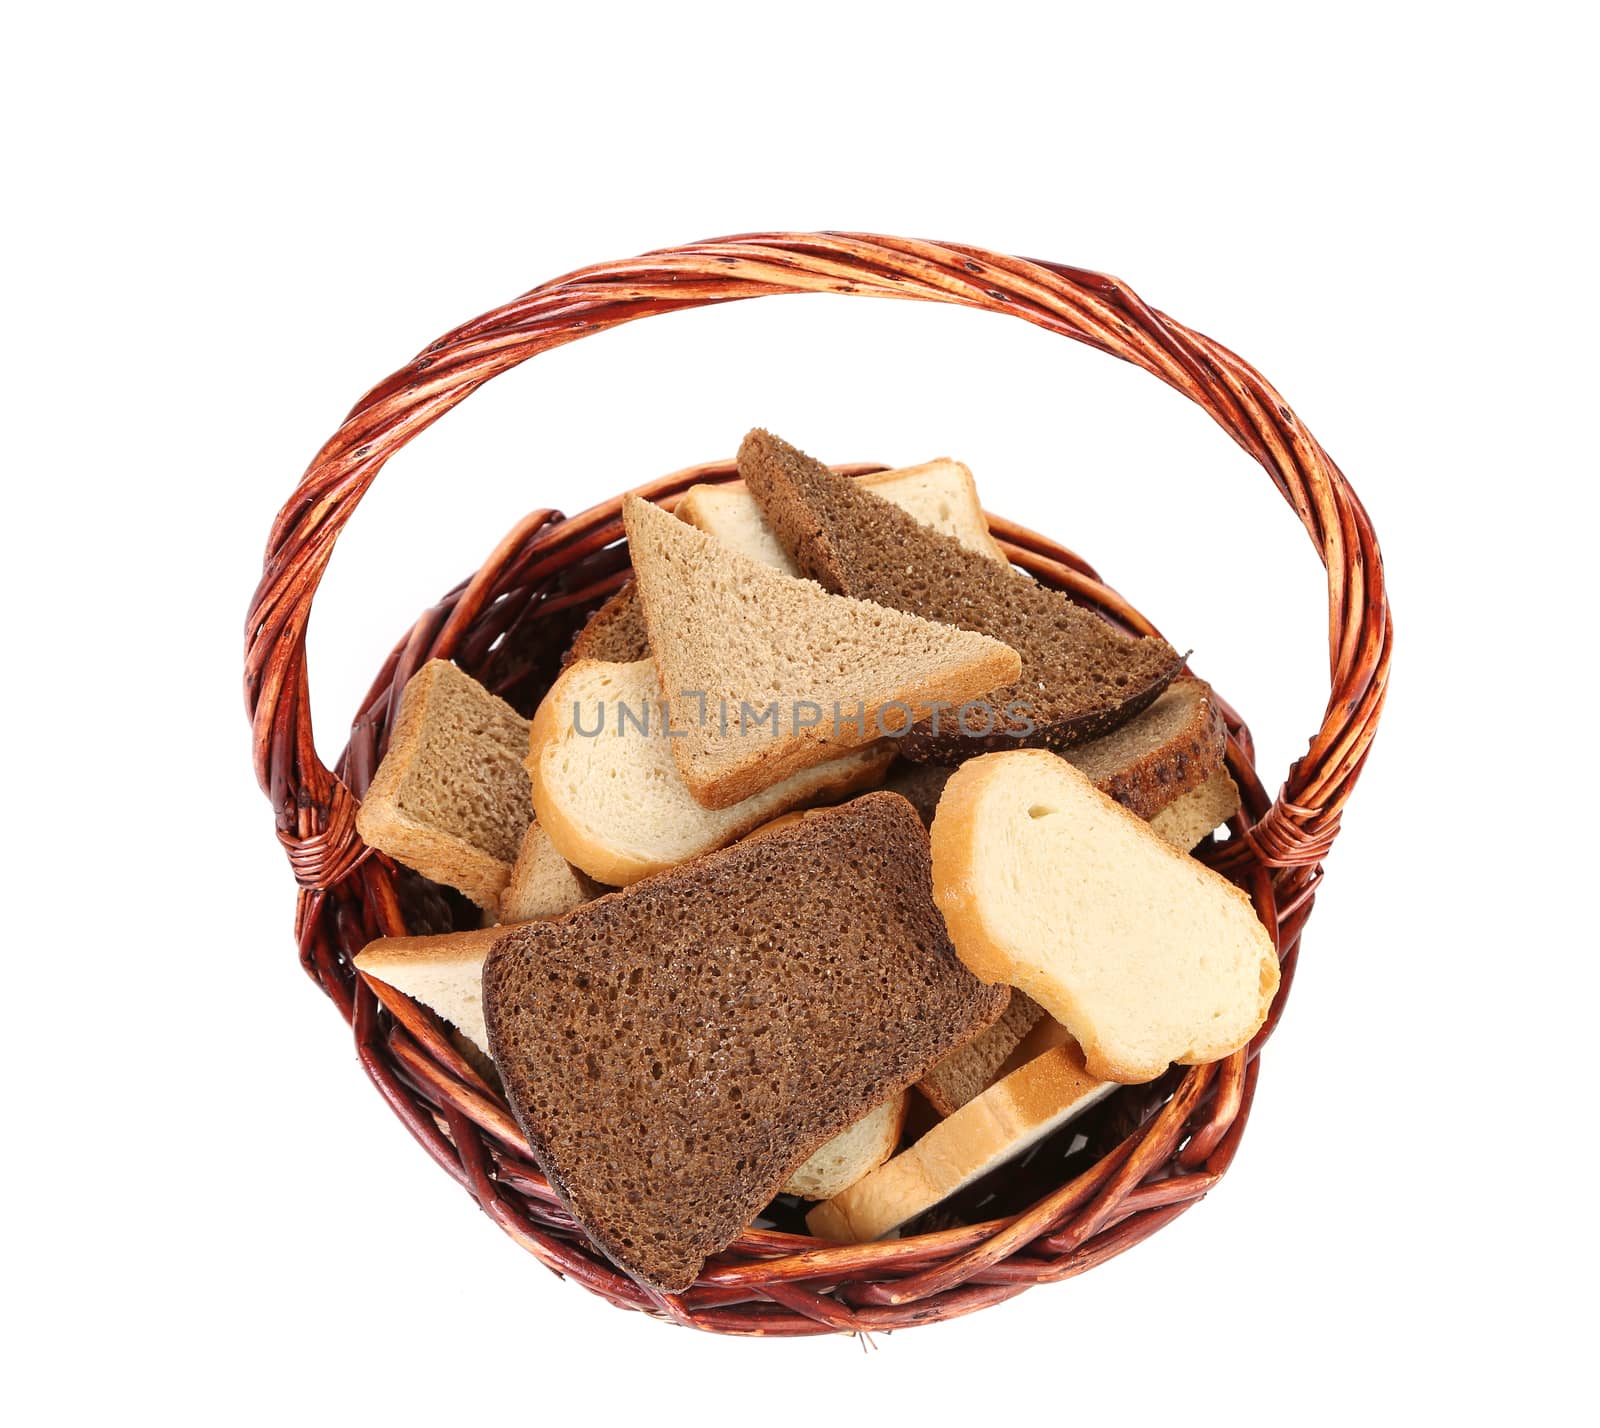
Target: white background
225,226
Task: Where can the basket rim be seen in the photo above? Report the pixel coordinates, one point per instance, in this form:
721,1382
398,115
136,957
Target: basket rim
348,894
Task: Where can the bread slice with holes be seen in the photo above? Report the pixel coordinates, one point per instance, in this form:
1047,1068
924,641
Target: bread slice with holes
674,1052
941,494
1012,1115
609,795
1145,955
742,650
856,1151
450,798
1080,676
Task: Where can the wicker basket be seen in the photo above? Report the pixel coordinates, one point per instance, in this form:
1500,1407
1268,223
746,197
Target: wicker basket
1156,1150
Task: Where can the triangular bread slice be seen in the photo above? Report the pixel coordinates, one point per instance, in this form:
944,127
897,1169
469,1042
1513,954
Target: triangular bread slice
939,494
1015,1113
1144,954
674,1052
609,795
1080,675
765,675
443,972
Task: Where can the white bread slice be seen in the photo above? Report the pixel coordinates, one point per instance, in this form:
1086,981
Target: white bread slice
855,1151
1146,956
444,973
614,805
940,494
1016,1112
1190,816
732,638
450,799
1013,1039
543,883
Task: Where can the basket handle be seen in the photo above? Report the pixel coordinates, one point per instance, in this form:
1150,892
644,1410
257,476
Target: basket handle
316,811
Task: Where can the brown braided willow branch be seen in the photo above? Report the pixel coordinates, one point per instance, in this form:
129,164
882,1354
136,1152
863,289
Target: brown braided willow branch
1156,1150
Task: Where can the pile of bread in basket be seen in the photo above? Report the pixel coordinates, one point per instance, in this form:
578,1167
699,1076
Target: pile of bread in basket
843,860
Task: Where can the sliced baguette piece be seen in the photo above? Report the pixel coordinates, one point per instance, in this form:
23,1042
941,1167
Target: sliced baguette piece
674,1052
1146,956
1015,1113
1080,675
1188,818
855,1151
939,494
450,798
732,639
444,973
543,883
613,804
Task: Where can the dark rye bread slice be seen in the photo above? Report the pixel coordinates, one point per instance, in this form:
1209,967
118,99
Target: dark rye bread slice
1149,763
1080,675
676,1050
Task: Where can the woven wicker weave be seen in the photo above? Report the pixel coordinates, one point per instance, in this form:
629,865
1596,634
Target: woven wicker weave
1161,1149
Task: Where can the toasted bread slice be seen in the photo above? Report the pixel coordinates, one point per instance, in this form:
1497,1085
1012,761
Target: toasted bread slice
1080,675
1146,956
856,1150
1015,1113
764,675
610,798
450,798
676,1051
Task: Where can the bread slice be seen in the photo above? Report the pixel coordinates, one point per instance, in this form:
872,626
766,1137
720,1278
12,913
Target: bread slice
613,804
1012,1115
1080,675
971,1069
444,973
1170,749
450,798
543,883
857,1149
674,1052
1190,816
1146,956
615,633
939,494
764,675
